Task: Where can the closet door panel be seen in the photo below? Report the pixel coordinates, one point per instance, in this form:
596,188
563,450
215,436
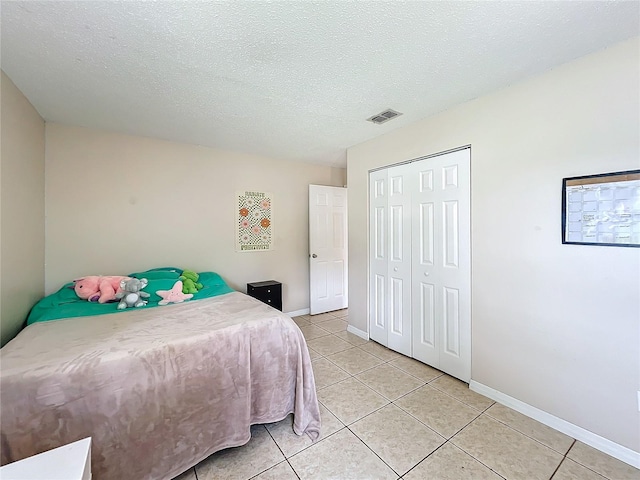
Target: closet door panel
441,246
378,256
399,271
453,262
425,345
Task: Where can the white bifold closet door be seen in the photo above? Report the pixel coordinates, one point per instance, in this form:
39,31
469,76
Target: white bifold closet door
420,261
391,258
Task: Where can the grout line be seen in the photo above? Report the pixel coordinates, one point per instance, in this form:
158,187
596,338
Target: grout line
317,441
369,414
372,450
581,464
389,402
358,373
412,391
264,425
195,474
474,419
411,375
485,410
292,469
564,458
408,393
481,409
431,453
465,453
274,441
316,338
283,454
557,468
527,435
434,451
476,459
418,420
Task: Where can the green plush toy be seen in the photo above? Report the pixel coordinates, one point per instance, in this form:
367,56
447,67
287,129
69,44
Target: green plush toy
190,281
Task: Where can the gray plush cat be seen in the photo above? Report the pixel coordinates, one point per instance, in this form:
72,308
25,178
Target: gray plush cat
132,294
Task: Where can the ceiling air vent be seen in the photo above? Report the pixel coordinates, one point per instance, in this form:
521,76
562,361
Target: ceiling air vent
384,116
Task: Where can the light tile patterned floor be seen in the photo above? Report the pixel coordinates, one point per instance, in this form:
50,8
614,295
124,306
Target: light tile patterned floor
386,416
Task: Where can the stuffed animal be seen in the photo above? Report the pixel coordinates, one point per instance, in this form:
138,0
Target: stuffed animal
190,281
96,288
132,294
174,295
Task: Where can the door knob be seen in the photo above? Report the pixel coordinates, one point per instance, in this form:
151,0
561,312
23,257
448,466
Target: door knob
426,274
314,256
395,269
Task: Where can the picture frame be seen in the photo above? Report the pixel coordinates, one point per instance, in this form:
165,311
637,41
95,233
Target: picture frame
602,209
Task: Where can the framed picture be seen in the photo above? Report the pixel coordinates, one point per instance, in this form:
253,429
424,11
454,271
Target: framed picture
602,209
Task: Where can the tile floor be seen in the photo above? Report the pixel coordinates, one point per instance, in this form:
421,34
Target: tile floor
386,416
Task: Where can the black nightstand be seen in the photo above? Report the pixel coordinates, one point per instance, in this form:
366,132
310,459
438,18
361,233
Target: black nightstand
269,292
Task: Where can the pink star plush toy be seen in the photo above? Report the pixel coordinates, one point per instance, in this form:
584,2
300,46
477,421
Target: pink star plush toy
174,295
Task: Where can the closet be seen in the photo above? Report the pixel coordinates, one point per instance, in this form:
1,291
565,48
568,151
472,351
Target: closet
420,260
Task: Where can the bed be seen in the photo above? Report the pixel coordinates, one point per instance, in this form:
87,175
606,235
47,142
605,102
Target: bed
157,389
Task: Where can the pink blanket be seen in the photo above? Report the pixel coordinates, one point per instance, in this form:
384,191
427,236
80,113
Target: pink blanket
158,390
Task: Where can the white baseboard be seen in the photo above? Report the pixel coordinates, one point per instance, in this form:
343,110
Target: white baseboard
358,332
297,313
585,436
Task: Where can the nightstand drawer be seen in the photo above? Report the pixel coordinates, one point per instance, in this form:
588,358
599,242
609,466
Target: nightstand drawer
269,292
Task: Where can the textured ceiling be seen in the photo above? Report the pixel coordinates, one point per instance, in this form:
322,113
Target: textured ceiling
292,80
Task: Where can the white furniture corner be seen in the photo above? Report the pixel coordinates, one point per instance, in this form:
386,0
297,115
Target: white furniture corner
69,462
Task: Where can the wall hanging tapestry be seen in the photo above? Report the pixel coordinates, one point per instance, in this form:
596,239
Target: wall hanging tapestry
254,228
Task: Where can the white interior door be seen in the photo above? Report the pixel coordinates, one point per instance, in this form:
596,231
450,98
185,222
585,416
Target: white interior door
441,252
327,248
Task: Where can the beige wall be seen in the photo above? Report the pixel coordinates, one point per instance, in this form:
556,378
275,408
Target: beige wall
555,326
118,203
22,209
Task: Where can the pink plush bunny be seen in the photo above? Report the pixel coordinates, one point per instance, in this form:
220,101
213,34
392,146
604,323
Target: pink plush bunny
98,288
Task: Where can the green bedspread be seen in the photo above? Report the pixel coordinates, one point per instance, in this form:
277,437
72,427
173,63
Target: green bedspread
66,304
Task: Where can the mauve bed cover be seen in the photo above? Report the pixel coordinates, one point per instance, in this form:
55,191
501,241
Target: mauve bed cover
158,390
